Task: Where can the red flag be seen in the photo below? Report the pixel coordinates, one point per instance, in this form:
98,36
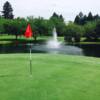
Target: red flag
28,32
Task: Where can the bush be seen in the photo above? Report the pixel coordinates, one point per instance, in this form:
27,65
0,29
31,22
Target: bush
90,32
73,33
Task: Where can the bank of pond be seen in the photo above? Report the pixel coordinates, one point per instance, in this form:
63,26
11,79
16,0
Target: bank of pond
92,50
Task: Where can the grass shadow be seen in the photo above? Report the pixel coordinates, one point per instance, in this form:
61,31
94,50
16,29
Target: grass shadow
11,75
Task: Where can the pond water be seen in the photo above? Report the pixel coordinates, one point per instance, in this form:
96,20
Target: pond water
91,50
86,50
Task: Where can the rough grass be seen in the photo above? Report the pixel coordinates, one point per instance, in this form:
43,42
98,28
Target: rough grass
55,77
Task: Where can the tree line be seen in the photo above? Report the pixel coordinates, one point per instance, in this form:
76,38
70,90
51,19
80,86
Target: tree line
83,26
82,19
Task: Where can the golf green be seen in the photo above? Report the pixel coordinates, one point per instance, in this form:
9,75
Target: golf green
54,77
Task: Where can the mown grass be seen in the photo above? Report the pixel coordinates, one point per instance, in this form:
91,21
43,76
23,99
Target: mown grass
7,39
55,77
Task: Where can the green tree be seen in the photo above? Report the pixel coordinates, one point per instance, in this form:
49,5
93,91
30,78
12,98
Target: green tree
81,15
77,20
96,17
90,33
90,17
84,19
61,17
2,21
15,27
40,26
58,23
55,15
73,32
97,30
80,19
7,11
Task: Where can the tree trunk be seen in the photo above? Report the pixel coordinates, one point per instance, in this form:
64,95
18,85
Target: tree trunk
16,37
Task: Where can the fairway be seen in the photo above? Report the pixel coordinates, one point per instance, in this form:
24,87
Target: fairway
55,77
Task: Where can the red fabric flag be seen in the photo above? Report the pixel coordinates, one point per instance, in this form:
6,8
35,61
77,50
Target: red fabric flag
28,33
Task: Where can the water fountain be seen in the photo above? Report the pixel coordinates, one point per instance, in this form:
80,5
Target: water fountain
56,47
53,43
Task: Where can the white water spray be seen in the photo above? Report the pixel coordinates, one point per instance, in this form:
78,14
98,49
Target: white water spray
54,43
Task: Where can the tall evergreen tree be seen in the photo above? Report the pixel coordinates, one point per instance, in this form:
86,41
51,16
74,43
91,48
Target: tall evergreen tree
61,17
77,20
81,15
55,15
96,17
90,17
84,19
7,11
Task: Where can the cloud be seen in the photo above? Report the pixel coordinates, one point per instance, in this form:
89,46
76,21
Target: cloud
45,8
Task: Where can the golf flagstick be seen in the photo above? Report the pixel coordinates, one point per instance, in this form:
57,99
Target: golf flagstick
30,59
28,34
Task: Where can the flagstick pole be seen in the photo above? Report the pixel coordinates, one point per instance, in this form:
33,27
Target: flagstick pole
28,34
30,59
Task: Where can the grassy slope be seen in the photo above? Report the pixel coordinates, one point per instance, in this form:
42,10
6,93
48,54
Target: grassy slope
55,77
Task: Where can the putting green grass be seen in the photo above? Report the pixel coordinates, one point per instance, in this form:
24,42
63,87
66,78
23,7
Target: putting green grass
55,77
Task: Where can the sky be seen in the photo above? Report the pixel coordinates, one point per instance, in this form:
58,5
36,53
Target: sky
45,8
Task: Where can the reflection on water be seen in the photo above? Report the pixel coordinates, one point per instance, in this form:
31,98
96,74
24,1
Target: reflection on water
72,50
91,50
12,48
87,50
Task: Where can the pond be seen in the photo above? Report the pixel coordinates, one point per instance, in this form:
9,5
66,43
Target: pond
91,49
86,49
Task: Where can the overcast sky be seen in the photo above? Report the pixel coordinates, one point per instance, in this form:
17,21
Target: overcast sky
45,8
